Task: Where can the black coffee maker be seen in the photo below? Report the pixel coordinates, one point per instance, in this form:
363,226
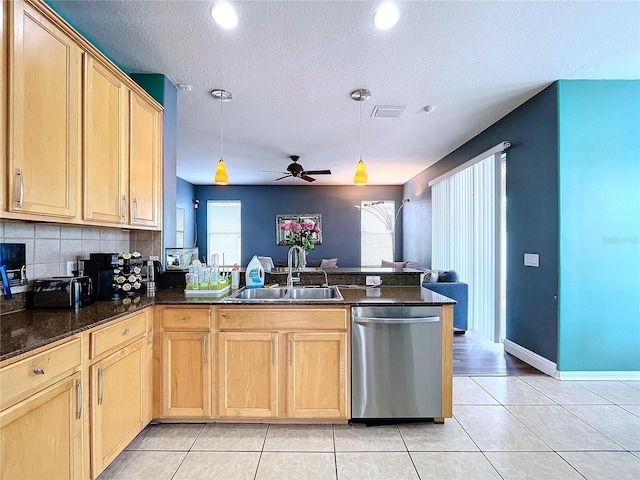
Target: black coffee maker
114,275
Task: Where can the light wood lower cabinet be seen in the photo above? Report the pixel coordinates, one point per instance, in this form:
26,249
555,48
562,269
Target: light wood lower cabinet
118,403
186,371
283,363
316,375
41,437
248,374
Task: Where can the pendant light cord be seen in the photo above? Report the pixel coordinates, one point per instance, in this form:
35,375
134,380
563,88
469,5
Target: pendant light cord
221,129
360,130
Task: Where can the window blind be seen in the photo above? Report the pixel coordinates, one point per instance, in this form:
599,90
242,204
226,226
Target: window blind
224,231
377,231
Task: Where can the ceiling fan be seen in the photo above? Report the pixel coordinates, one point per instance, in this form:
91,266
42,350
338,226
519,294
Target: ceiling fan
296,170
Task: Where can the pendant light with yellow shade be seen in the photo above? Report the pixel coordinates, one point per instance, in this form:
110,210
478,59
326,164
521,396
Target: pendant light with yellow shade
360,95
221,177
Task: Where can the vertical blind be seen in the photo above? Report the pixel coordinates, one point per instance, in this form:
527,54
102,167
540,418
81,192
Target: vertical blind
377,231
224,233
465,239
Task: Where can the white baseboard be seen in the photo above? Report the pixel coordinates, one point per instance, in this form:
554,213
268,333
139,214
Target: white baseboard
532,358
583,375
550,368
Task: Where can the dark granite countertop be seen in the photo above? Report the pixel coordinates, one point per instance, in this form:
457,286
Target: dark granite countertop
29,329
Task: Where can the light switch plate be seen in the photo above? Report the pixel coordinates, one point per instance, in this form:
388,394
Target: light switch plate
373,280
531,260
71,266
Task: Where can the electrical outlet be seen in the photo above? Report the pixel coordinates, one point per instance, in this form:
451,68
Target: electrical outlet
71,266
531,260
373,280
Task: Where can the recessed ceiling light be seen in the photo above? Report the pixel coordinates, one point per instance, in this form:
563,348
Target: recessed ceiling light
225,15
386,16
184,87
429,108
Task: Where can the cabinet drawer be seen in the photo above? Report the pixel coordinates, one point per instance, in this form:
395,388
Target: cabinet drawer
283,319
118,334
27,376
186,318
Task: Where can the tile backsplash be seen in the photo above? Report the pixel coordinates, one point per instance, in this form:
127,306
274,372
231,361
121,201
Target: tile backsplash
49,247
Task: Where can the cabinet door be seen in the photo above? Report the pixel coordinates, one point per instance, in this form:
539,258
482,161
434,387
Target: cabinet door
248,374
41,437
186,375
106,116
117,410
317,375
44,121
145,133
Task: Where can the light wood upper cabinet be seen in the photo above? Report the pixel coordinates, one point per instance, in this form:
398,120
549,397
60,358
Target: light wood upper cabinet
41,437
145,166
248,374
317,375
118,402
44,121
105,144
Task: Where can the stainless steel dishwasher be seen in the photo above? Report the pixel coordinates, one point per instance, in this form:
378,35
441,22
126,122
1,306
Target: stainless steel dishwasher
396,363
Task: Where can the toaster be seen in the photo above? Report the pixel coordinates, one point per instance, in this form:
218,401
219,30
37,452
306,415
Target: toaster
63,292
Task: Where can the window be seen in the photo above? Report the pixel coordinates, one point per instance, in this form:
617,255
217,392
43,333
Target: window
377,232
224,235
179,227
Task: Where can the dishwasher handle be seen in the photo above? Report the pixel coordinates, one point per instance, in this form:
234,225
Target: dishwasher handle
392,320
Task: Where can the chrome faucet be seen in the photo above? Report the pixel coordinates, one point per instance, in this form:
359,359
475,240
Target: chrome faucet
290,279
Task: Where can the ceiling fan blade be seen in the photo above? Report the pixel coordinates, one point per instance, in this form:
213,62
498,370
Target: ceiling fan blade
272,171
286,176
317,172
307,178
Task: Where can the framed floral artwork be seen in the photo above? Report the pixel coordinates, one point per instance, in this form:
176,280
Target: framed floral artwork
304,229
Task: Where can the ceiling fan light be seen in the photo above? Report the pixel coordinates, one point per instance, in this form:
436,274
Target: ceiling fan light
361,174
386,16
222,177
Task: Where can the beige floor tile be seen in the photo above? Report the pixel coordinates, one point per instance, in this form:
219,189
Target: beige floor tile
616,392
358,438
298,465
299,438
453,466
493,428
231,437
166,437
611,420
562,430
432,437
604,465
635,409
136,465
512,391
563,391
218,465
375,466
533,465
468,392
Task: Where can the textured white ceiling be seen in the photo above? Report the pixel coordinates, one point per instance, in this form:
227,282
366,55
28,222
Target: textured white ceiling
291,66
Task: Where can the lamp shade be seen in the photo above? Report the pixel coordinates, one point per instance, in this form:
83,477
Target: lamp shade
222,177
361,174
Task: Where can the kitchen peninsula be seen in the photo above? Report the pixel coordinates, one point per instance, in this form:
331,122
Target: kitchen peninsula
168,357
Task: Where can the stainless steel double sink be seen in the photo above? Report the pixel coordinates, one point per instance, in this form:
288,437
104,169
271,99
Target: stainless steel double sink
284,294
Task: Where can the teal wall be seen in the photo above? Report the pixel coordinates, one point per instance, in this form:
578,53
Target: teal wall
599,206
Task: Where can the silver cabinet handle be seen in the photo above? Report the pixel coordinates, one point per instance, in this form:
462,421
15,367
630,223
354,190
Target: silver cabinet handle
407,320
125,332
100,385
38,371
123,207
79,390
185,318
273,349
135,209
204,349
21,187
290,348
